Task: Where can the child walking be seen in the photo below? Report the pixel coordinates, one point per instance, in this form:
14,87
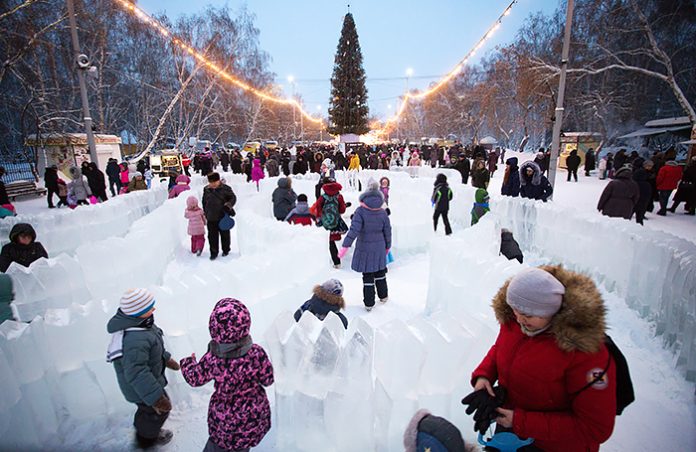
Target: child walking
257,173
326,298
196,224
480,205
442,195
239,414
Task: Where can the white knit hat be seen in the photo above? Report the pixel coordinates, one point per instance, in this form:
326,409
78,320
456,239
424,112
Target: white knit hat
136,302
535,292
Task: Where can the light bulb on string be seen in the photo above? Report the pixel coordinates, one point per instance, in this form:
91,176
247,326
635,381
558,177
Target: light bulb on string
144,17
442,82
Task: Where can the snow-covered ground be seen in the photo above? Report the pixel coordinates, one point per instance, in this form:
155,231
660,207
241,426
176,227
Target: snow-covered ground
415,351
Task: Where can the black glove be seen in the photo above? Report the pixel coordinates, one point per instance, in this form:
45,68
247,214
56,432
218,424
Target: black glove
485,406
476,400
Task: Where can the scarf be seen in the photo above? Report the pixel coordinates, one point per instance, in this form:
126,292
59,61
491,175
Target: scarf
147,323
233,349
534,333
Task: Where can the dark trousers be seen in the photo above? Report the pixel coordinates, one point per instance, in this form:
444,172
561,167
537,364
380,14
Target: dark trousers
63,201
101,194
147,424
664,199
214,236
640,214
370,281
574,173
333,249
114,183
49,196
212,447
436,216
186,171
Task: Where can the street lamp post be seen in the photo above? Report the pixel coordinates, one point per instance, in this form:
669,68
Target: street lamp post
556,143
409,73
321,126
83,64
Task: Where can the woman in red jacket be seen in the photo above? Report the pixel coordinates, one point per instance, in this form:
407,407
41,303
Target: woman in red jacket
667,181
550,346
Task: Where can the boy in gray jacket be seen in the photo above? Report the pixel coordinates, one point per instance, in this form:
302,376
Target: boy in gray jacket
139,358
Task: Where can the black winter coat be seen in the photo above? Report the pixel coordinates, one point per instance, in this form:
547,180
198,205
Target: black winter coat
218,201
22,254
620,196
589,161
511,187
573,161
464,167
113,171
510,248
442,195
640,176
480,178
51,179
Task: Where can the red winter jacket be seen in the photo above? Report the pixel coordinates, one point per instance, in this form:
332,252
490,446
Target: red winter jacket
669,176
544,373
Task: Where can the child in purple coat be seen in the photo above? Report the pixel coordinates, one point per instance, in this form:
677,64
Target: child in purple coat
196,224
257,173
239,415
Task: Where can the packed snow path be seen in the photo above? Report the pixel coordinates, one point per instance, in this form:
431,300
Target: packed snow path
415,351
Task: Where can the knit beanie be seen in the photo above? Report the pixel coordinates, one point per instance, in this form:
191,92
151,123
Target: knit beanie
136,302
333,286
535,292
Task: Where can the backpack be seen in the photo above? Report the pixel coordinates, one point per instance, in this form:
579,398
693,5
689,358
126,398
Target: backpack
624,386
329,213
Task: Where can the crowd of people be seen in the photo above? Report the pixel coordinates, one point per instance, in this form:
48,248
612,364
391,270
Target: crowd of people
550,360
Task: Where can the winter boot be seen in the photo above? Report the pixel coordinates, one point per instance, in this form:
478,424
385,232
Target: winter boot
384,300
199,252
368,308
164,436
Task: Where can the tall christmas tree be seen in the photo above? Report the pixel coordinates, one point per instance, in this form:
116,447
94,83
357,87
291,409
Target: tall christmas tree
348,104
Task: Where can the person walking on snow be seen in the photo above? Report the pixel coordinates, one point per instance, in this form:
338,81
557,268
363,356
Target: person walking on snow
139,358
440,200
182,185
284,198
218,199
329,208
511,179
668,178
301,214
51,184
371,228
257,173
573,163
480,205
533,184
326,298
239,414
196,224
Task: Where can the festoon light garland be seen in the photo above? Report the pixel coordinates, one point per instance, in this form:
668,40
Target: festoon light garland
146,18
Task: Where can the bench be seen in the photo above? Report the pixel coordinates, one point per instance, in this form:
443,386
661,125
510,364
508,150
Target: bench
23,188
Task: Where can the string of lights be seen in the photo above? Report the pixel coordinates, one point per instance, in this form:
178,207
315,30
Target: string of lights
212,66
408,96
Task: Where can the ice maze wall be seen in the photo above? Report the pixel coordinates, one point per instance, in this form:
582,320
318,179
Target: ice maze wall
655,272
64,230
327,378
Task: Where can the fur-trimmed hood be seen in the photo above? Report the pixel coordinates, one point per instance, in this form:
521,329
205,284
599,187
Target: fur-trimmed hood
330,298
580,323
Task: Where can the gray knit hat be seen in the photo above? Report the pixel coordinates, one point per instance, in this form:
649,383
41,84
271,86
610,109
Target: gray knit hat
333,286
535,292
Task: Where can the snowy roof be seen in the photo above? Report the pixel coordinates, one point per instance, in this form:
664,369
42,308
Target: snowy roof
67,139
654,131
581,134
488,140
669,122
